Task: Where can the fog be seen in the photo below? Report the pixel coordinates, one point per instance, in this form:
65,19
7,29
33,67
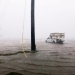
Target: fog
50,16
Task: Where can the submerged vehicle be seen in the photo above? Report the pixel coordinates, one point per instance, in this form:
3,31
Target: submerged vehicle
56,38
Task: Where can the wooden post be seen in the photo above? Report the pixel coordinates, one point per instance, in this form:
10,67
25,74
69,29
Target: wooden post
33,46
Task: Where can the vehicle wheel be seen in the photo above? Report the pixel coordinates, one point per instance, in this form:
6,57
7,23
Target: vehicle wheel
53,41
46,40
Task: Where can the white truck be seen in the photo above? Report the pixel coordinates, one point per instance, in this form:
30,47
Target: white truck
56,38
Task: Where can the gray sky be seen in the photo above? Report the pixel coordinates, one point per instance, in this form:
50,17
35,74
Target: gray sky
50,16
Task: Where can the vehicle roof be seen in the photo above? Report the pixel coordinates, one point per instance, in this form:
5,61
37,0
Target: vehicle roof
57,33
53,34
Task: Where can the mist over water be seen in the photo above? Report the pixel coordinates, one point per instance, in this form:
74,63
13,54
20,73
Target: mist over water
15,45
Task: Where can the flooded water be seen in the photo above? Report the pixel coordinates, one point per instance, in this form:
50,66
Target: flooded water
50,58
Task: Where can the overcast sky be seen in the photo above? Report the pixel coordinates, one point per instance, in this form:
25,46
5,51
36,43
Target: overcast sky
50,16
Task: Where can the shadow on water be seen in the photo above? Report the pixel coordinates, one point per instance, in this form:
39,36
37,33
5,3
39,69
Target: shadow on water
28,73
14,73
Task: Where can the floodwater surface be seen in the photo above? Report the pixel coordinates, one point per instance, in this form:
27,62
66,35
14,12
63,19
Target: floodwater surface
50,58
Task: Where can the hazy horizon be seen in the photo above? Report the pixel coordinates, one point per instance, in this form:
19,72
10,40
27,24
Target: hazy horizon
50,16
